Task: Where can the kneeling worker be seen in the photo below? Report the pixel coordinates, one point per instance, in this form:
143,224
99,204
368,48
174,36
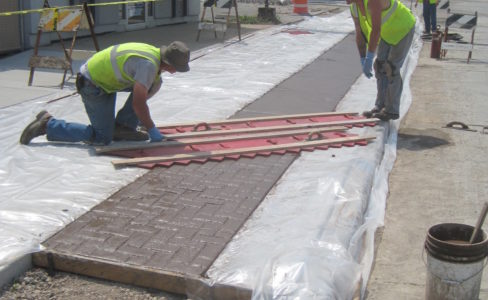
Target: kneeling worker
132,67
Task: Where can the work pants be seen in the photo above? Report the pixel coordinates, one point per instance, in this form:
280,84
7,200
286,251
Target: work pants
389,61
430,16
100,108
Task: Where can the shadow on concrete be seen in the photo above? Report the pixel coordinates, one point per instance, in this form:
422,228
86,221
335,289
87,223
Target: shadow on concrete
415,139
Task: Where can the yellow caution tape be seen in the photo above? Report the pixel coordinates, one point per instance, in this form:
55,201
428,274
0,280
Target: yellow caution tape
40,10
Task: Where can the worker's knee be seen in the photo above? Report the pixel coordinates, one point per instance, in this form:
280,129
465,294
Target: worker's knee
100,137
390,70
378,68
385,68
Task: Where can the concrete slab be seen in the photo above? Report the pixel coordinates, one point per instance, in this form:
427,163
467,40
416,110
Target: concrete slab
440,173
172,221
317,87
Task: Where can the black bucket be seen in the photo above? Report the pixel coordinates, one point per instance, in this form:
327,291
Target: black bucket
450,242
455,266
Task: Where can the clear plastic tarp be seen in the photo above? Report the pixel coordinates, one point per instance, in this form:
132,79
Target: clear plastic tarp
311,238
313,235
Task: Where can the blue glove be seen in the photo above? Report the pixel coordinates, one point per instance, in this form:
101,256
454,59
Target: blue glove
362,61
155,135
368,64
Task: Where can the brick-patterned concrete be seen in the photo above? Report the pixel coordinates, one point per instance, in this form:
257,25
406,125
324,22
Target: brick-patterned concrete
174,219
177,220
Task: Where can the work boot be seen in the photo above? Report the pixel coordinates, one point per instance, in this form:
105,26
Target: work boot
35,128
369,113
124,133
385,116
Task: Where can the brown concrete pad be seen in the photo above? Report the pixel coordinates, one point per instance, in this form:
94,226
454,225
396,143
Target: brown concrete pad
317,87
172,223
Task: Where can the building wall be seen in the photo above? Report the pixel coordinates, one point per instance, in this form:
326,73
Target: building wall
108,18
10,32
163,10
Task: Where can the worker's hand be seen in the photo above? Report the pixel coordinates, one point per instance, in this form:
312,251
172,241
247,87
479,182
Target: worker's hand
155,135
362,61
368,64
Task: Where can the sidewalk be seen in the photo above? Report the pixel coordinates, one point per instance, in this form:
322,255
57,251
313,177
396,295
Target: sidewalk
439,175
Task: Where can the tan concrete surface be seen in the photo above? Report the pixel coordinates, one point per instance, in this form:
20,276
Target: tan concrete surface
440,175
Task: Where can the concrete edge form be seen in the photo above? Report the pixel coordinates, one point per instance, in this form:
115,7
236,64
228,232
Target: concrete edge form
142,277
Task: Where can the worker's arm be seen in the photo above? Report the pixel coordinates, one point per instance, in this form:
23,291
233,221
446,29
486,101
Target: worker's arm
154,88
375,9
139,104
360,41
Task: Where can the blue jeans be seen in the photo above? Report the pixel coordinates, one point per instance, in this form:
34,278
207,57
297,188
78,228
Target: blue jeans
100,108
430,16
389,61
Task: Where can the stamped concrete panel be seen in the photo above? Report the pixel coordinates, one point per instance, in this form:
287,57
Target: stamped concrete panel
174,219
318,87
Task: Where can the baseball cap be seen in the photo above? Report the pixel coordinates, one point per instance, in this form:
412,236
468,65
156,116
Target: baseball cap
177,55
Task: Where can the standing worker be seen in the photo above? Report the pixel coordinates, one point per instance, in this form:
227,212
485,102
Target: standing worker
429,14
391,27
132,67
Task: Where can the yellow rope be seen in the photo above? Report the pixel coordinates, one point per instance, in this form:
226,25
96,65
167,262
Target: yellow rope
40,10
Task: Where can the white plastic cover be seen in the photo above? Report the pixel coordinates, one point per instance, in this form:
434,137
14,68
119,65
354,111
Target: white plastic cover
312,237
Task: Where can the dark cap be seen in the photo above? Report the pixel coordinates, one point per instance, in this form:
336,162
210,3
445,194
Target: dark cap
177,55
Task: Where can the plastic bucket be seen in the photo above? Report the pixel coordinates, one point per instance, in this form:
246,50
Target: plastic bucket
454,267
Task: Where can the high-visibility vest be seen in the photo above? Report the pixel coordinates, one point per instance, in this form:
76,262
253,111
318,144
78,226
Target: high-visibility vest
396,21
106,67
363,22
430,1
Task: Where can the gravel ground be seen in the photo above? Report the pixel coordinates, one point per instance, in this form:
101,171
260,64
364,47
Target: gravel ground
37,284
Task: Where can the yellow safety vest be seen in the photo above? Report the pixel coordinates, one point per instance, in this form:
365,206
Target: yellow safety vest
106,67
396,21
430,1
363,22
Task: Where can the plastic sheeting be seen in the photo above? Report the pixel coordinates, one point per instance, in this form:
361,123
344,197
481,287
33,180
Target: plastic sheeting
313,235
321,252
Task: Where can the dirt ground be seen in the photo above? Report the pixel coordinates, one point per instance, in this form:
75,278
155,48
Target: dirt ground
37,284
